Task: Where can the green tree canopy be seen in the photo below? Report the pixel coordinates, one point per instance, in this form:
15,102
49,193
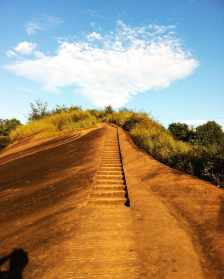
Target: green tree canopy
108,109
7,125
209,133
181,131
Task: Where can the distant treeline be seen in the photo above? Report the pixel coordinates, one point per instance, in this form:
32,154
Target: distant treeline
198,151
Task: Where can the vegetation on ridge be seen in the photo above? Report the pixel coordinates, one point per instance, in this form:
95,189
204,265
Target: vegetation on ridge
6,126
45,124
199,151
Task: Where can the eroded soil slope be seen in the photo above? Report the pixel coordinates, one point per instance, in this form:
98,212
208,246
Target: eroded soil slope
42,188
178,217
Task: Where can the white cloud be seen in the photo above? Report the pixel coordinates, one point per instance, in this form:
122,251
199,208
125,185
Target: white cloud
32,28
121,64
25,48
11,53
41,23
94,36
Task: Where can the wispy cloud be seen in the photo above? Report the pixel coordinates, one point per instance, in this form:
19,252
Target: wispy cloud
111,68
22,48
32,28
42,23
94,14
10,53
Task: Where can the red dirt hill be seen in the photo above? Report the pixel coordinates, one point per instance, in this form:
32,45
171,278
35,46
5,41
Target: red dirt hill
44,186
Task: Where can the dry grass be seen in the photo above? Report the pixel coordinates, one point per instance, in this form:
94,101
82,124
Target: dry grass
55,124
150,135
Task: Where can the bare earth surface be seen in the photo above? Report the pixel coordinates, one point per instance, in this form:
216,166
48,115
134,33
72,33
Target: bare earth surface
63,201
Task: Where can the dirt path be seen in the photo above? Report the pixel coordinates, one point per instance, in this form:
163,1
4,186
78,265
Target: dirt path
104,246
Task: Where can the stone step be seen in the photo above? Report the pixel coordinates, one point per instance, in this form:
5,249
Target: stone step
109,187
112,151
107,201
111,161
106,164
109,177
110,182
107,167
110,172
107,194
110,156
108,160
110,167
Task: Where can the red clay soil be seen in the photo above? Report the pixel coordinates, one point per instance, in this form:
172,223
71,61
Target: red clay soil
177,220
164,200
40,196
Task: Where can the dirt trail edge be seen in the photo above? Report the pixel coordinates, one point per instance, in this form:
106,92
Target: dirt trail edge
168,208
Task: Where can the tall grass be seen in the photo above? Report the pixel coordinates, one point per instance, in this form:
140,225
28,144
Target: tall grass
159,142
150,135
55,124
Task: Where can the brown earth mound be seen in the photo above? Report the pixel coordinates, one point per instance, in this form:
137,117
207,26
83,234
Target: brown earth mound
177,220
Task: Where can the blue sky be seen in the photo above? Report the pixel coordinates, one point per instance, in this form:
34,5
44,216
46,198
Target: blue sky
162,57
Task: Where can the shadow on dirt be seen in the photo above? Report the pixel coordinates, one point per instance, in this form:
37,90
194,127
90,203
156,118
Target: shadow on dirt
16,262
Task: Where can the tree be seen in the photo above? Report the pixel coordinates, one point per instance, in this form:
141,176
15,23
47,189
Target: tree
181,131
39,109
7,125
108,109
209,133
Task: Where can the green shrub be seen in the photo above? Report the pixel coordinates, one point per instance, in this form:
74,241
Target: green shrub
7,125
4,141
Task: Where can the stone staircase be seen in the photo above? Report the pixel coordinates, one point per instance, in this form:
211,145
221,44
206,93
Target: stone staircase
104,246
110,186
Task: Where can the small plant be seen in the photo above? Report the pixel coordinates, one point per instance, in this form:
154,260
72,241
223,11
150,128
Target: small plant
4,141
39,110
